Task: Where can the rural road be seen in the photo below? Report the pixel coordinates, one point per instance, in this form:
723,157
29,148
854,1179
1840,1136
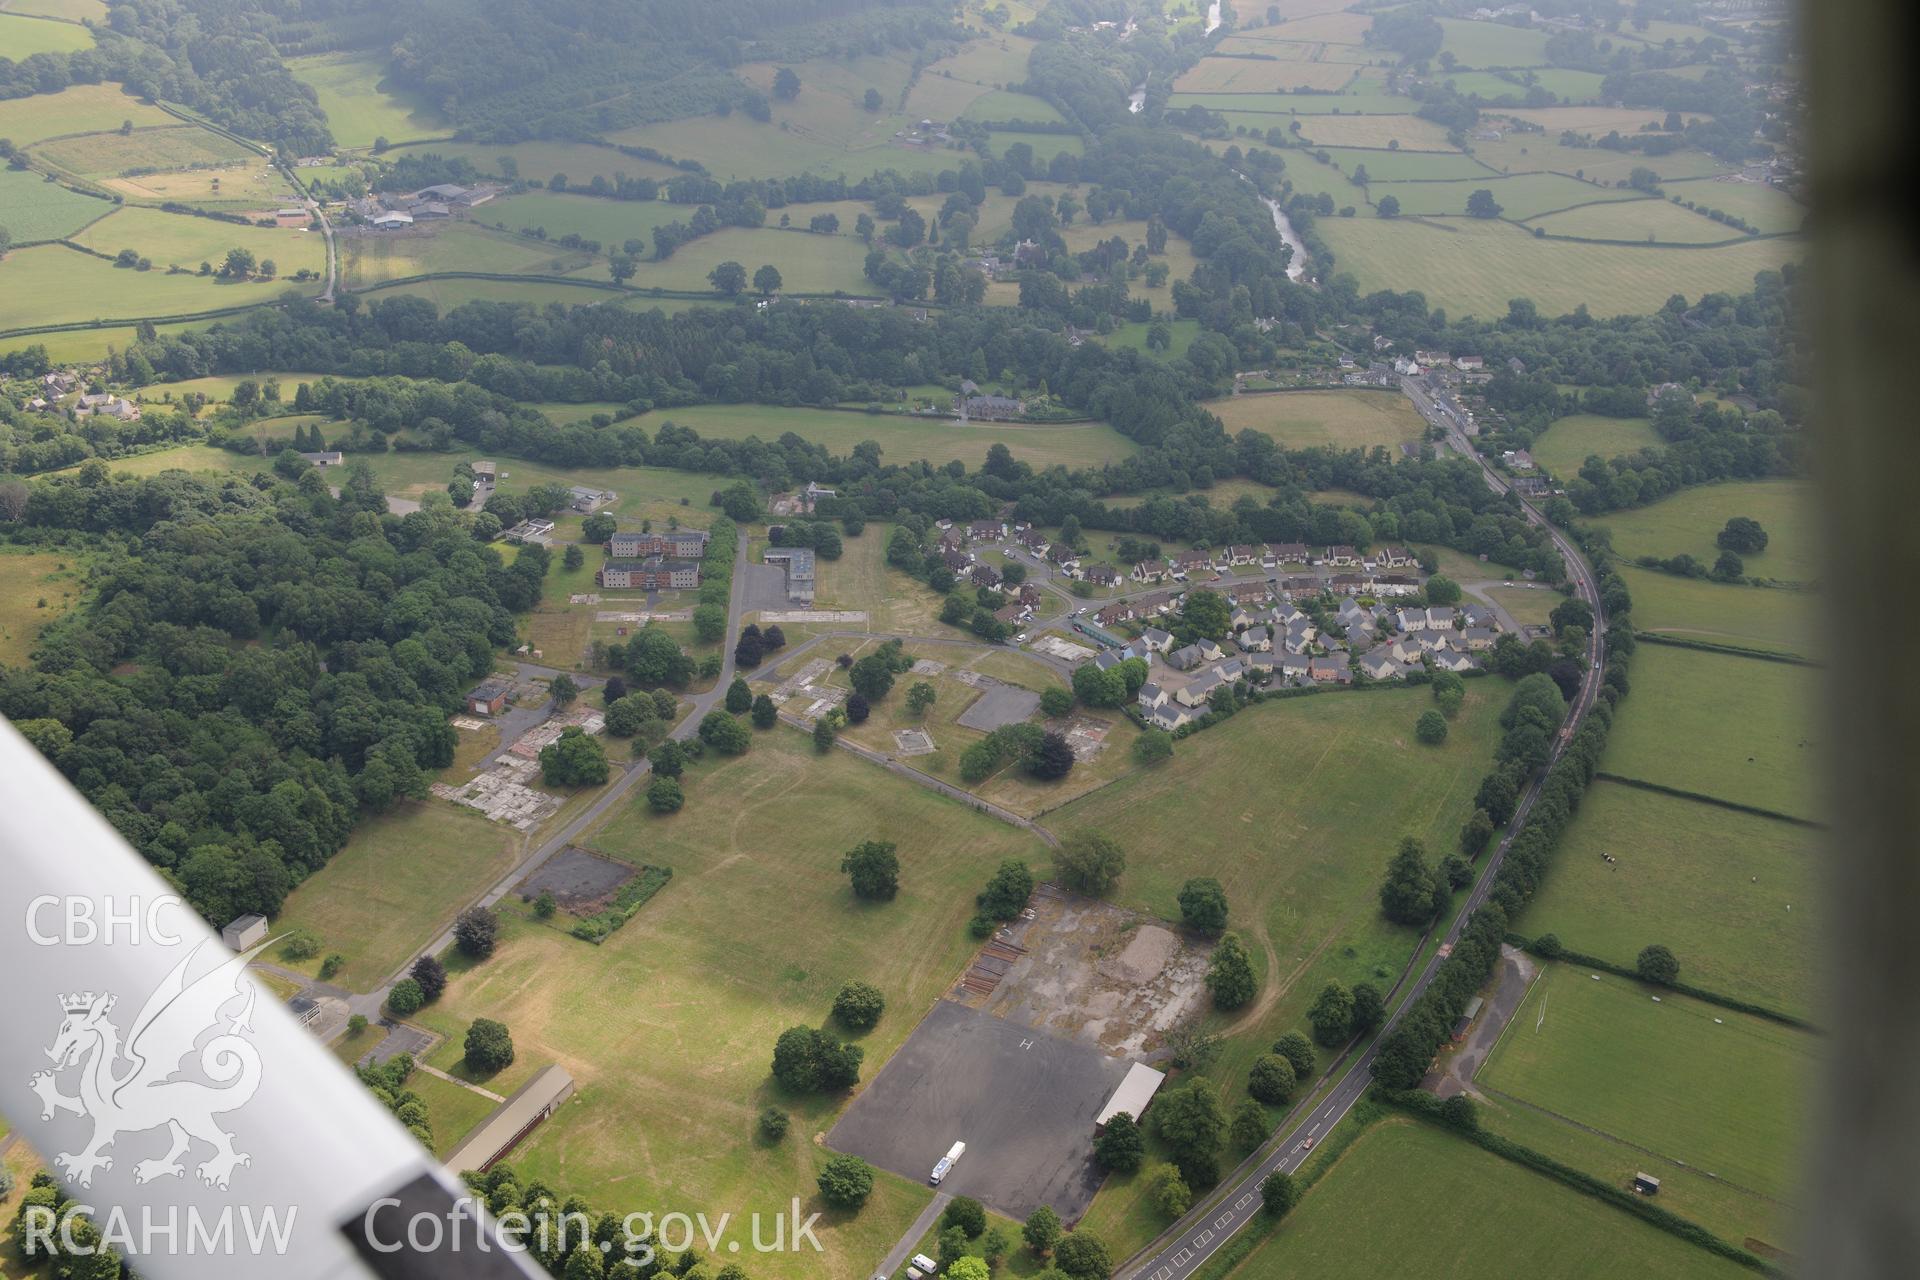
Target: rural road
1187,1246
370,1003
896,1259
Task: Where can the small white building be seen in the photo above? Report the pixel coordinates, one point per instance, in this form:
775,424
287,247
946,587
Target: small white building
245,932
1133,1095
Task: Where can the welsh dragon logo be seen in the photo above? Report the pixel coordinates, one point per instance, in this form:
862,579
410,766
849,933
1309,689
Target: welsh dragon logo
133,1087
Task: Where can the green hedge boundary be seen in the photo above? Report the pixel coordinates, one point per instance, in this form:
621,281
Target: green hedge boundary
633,895
1731,650
1732,1003
1427,1107
1679,793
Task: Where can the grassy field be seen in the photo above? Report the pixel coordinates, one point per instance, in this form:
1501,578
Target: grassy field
609,221
1768,208
99,155
736,146
86,345
54,285
1489,1217
235,188
1690,520
371,257
1605,1055
360,106
1571,440
669,1025
1494,44
1260,75
36,587
807,263
1411,132
1568,85
452,1110
21,37
1267,110
37,209
1749,617
1735,896
1529,606
72,10
1305,419
1654,221
1407,166
903,438
580,161
401,878
83,108
1520,196
1534,153
1678,730
1472,267
182,240
447,294
998,104
1299,853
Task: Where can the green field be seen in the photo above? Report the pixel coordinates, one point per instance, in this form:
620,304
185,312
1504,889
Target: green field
244,187
1307,419
1573,439
1691,519
182,240
78,345
370,257
82,108
1534,153
1494,44
1406,166
1357,101
998,104
100,155
36,587
581,162
36,209
399,881
1563,83
608,221
1521,196
1746,617
1472,267
359,105
807,263
447,294
1411,132
1294,806
737,147
21,37
1733,895
903,438
1768,208
1739,729
55,285
1407,1190
1653,221
72,10
668,1026
1605,1055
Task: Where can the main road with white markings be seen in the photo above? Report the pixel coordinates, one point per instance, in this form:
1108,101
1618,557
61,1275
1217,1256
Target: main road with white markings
1186,1247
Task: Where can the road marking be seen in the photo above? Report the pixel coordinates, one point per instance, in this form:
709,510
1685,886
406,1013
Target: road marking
1204,1237
1313,1132
1026,1044
1223,1220
1163,1273
1243,1201
1180,1258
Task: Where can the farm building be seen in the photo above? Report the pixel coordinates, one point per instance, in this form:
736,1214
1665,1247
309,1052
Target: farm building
511,1121
585,499
1133,1095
